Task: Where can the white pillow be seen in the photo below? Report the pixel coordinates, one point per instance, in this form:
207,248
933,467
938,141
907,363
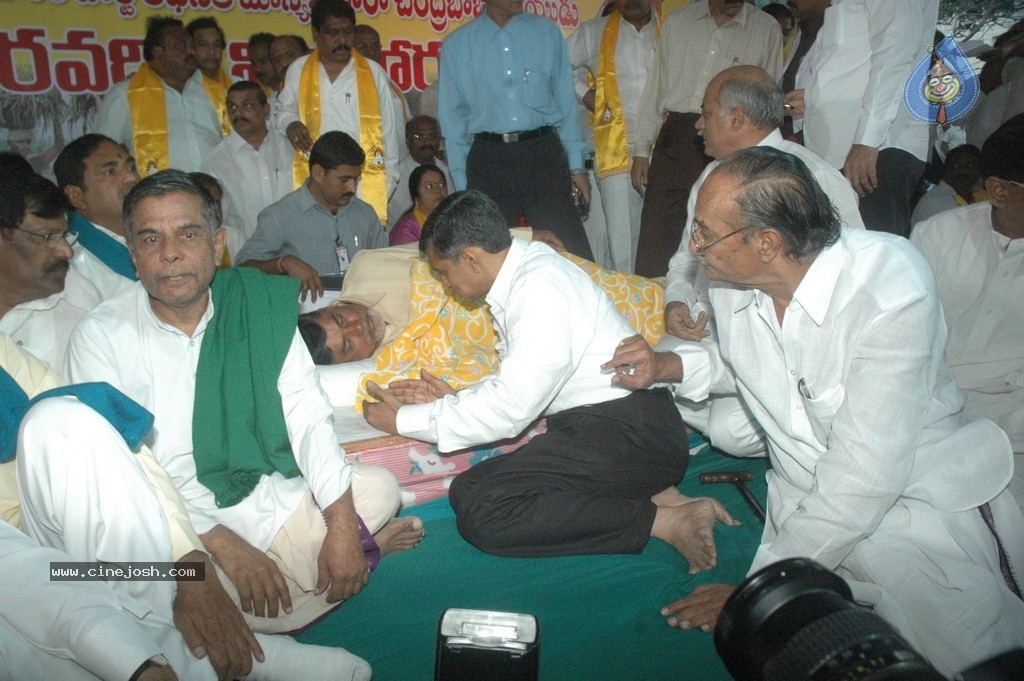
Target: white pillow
340,381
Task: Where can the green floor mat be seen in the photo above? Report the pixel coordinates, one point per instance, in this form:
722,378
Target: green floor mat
599,615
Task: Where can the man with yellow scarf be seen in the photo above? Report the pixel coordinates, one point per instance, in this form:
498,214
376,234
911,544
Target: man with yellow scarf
615,52
336,88
208,43
163,114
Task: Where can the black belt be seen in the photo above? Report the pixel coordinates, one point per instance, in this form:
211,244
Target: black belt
508,137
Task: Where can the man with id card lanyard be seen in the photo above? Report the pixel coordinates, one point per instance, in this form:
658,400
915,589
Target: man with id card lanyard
318,228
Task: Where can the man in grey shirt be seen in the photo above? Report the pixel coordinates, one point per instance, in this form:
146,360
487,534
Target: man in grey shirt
318,228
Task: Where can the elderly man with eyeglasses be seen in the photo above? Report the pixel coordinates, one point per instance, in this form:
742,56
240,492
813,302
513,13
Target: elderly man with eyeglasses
834,340
423,141
41,296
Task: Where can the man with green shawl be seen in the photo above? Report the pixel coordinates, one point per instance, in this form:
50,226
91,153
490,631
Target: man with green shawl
241,425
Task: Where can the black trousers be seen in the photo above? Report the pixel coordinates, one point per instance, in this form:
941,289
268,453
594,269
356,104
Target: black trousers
677,162
583,487
888,208
530,179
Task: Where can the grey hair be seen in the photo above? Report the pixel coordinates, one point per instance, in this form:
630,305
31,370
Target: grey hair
169,182
761,101
779,192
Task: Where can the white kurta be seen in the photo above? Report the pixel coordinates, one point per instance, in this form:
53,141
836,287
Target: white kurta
686,282
159,373
853,77
556,329
980,275
339,109
875,472
193,128
252,180
43,327
106,281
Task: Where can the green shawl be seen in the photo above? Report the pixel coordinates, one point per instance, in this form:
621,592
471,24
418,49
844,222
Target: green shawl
238,428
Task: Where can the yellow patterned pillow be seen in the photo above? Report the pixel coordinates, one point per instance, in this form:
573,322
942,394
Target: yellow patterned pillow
454,339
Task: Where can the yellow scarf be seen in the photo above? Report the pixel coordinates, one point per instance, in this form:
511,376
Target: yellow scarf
217,90
148,111
611,146
371,138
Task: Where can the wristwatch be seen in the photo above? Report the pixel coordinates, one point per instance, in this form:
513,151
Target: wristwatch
155,661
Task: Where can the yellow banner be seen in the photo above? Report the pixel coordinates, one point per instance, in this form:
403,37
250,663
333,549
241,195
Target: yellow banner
58,57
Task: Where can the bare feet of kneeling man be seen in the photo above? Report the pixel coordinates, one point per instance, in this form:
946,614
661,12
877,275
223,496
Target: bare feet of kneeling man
688,525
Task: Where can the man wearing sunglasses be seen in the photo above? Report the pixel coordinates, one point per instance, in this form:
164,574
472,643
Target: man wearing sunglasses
41,296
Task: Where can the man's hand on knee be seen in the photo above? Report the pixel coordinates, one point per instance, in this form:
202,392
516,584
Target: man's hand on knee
256,577
212,625
343,568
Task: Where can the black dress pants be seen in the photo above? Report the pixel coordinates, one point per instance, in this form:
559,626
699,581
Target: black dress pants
530,178
583,487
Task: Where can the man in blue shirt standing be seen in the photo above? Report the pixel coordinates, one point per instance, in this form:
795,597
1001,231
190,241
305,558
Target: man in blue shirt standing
508,113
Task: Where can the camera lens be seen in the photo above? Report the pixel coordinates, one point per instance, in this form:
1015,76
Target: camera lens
795,620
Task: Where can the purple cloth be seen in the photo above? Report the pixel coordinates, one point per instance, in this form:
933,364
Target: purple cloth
370,547
406,230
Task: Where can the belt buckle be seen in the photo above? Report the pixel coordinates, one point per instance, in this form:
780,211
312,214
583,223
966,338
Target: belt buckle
510,137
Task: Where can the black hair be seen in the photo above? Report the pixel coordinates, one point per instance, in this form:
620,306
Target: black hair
334,149
462,219
322,10
26,194
155,28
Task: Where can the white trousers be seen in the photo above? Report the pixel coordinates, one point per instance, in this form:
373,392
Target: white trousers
622,206
83,492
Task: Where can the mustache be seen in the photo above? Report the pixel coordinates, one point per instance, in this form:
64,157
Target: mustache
339,48
58,265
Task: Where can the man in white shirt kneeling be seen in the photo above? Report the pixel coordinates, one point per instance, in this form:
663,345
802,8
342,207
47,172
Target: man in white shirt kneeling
603,478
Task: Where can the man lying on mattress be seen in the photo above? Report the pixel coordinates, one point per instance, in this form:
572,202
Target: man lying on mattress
603,478
393,308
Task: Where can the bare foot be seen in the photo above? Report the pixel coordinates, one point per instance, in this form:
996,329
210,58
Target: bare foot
690,529
400,534
670,496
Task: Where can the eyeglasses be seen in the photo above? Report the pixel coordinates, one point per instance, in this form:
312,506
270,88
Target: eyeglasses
248,105
50,238
426,136
431,186
699,245
1019,184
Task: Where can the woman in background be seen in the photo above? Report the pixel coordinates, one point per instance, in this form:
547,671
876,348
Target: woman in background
427,187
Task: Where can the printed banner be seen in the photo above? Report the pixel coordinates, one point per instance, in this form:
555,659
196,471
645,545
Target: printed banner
58,57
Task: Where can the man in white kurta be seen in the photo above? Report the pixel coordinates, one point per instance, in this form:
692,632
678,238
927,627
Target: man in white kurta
977,254
253,163
836,347
42,296
637,34
850,91
96,173
160,374
339,96
742,108
73,469
192,124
